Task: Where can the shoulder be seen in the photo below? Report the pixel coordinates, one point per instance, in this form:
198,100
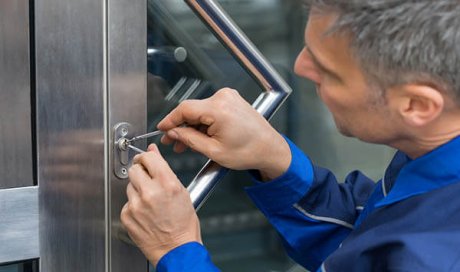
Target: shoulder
421,233
412,251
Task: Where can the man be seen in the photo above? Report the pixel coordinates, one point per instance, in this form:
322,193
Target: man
387,70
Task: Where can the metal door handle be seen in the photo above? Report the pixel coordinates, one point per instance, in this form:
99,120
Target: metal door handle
276,90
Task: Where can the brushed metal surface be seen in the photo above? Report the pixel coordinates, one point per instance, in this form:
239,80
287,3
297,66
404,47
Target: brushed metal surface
127,83
18,224
70,125
15,111
276,90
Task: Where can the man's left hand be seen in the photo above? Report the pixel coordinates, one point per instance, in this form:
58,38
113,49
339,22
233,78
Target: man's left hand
159,215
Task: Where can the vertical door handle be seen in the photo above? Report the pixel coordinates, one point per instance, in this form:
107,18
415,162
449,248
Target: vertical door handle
276,90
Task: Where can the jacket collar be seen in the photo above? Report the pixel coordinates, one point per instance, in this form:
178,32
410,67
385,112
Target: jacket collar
405,178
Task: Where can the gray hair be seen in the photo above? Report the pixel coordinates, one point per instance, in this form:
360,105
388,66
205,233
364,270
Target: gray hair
402,41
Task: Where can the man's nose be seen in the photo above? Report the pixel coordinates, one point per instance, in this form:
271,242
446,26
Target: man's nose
298,63
304,67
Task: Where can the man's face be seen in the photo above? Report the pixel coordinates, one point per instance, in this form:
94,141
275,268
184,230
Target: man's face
358,109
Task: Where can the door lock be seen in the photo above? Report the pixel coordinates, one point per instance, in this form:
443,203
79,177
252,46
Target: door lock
123,141
121,162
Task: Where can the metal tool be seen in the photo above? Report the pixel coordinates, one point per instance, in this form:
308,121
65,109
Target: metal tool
125,144
145,136
138,150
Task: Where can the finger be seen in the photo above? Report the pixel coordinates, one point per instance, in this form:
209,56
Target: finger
138,177
136,158
128,219
125,216
179,147
193,112
171,137
153,148
166,140
128,222
134,200
132,193
154,163
196,140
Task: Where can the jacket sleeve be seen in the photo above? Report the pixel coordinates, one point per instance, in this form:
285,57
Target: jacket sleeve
311,211
185,258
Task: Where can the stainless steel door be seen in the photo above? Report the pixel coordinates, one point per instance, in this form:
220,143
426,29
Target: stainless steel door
91,74
67,75
18,196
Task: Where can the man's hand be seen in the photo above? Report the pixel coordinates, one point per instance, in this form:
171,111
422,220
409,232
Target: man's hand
159,215
226,129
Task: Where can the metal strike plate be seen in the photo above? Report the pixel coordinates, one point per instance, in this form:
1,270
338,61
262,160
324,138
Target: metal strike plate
121,162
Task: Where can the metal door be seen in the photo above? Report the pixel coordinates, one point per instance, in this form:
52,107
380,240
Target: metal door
69,70
70,73
18,195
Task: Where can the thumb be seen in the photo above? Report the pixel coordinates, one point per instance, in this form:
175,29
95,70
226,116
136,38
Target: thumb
153,148
194,139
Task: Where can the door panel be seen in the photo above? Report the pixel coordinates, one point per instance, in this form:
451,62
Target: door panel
88,78
71,136
127,89
90,60
19,224
18,204
15,95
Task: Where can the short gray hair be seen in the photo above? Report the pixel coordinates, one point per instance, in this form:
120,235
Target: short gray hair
402,41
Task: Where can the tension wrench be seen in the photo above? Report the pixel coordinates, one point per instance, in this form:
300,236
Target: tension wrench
138,150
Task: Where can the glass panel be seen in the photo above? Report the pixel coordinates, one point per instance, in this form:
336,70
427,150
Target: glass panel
27,266
236,233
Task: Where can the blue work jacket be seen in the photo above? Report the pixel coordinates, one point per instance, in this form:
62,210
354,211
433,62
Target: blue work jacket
408,221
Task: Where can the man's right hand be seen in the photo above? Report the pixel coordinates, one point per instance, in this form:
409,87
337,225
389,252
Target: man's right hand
226,129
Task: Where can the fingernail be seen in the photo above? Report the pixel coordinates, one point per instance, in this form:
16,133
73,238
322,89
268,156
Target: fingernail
135,157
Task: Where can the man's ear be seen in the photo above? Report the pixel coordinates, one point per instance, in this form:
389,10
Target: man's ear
418,105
